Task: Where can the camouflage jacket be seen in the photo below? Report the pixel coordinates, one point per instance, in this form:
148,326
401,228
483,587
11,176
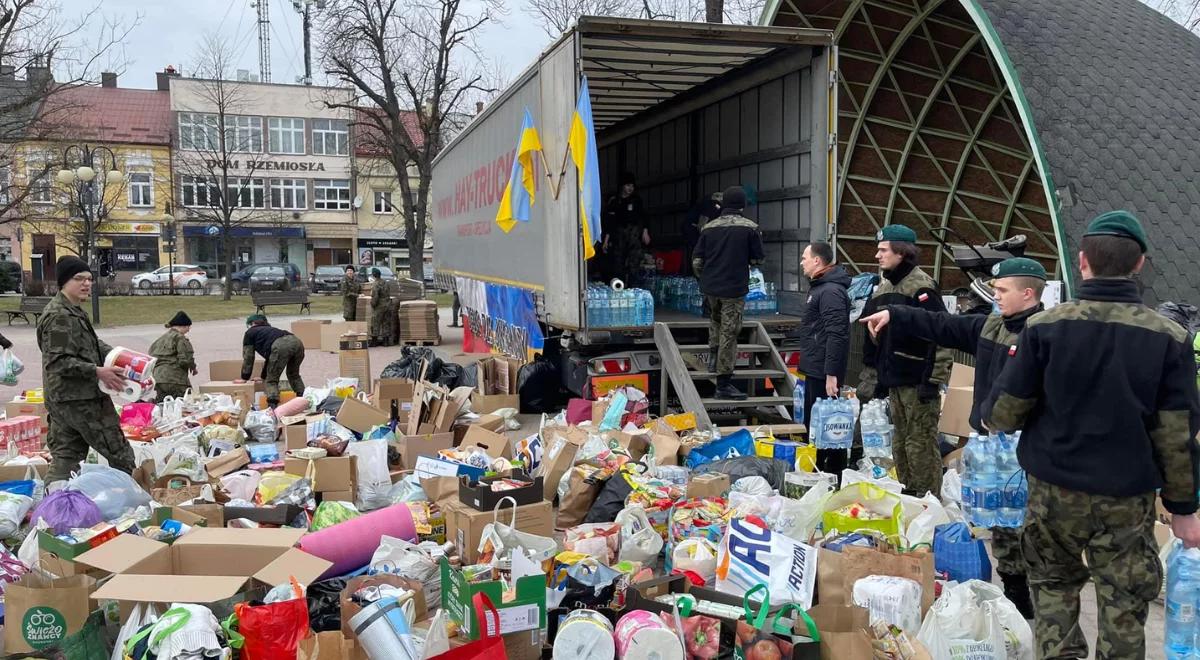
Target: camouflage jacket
71,351
381,291
349,288
175,359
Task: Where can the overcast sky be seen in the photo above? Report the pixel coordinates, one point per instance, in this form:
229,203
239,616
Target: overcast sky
170,32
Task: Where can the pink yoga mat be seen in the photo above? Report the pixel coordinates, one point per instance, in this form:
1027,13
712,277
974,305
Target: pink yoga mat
349,545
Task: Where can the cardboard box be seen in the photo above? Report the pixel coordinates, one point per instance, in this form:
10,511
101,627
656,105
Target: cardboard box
338,495
227,463
332,473
956,411
399,390
206,566
436,407
412,447
355,341
214,514
961,375
229,370
22,408
479,494
278,515
241,392
516,614
355,363
308,331
464,525
710,484
331,333
498,375
486,403
495,444
295,431
562,443
164,513
490,422
50,543
19,472
358,415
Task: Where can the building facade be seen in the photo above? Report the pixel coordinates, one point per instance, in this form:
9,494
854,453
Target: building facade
285,158
380,219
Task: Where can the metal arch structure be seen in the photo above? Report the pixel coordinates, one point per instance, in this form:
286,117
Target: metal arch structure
933,130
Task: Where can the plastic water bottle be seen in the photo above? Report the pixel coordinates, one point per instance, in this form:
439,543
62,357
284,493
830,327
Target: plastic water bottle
1014,488
980,488
798,400
876,430
1182,599
815,420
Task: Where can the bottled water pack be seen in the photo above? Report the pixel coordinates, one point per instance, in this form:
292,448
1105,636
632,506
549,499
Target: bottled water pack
994,489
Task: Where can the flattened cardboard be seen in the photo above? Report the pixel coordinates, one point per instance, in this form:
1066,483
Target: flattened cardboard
333,473
412,447
495,444
393,389
961,375
228,370
360,416
355,363
562,443
956,411
308,331
227,463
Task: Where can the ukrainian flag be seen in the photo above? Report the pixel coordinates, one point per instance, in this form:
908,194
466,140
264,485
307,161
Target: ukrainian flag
587,164
519,193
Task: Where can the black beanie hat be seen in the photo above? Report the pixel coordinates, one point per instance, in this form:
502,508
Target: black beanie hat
69,266
181,318
734,198
627,177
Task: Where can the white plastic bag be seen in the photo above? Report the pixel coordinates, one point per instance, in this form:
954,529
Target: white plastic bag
113,491
374,480
29,553
856,476
436,642
10,367
260,426
143,614
638,540
798,519
921,528
241,485
13,509
952,487
958,627
399,557
506,539
890,599
749,555
697,555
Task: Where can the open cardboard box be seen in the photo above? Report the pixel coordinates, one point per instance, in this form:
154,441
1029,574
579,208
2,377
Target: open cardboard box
495,444
207,565
360,416
331,333
388,390
332,474
229,370
412,447
308,331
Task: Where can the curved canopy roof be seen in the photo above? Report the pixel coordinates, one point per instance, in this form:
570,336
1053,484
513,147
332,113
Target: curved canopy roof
999,117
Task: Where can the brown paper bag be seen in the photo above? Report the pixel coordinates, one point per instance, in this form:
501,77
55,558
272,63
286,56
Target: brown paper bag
574,506
666,448
440,489
830,590
858,563
842,630
41,612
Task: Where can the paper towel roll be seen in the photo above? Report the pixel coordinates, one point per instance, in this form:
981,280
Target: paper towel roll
584,634
641,635
616,285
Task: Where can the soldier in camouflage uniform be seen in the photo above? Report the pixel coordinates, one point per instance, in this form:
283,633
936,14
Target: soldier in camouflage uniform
1105,392
349,288
1018,286
80,415
281,350
908,370
728,247
383,311
175,359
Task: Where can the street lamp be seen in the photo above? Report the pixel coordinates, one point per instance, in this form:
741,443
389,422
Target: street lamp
91,206
168,232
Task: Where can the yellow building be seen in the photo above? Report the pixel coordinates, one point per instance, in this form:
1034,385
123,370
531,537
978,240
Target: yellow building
135,126
381,237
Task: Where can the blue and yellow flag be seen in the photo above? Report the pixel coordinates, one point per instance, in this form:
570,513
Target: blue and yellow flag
519,193
587,163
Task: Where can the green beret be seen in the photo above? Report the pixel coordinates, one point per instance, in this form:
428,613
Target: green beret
1118,223
1018,267
255,317
896,233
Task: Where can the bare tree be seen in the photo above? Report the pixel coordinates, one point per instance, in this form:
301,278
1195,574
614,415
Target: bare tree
36,39
216,157
414,62
558,15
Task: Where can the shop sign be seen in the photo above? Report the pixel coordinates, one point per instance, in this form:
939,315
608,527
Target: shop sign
129,228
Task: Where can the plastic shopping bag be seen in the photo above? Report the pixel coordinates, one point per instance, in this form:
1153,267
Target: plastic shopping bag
499,541
798,519
757,639
750,553
959,555
113,491
890,599
638,542
739,443
758,288
921,528
137,414
272,484
374,480
863,506
143,614
960,626
272,632
10,367
13,507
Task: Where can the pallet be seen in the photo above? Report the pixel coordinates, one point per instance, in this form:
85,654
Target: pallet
437,341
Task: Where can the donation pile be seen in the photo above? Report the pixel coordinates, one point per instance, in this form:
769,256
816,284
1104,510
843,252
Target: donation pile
398,519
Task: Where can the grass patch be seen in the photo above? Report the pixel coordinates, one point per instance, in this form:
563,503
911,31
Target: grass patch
148,310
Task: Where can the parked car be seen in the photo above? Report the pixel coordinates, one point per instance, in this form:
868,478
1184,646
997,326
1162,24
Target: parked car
185,276
13,281
259,277
364,273
327,278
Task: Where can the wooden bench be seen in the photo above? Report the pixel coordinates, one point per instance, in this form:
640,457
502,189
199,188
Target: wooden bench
263,299
34,305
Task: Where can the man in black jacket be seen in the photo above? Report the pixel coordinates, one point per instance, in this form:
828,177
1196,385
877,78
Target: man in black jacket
281,350
825,332
1018,285
1105,392
728,247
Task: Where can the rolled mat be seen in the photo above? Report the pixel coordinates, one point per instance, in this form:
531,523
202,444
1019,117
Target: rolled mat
350,544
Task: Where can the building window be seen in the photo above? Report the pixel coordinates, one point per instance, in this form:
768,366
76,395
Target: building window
331,137
287,135
40,186
243,134
4,184
331,194
200,191
141,189
383,201
198,131
289,194
247,193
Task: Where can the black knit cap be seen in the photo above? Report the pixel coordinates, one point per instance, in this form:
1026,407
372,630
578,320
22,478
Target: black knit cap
734,198
181,319
69,266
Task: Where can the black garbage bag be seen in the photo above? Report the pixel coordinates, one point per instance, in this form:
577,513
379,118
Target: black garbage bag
771,469
450,375
469,376
612,496
331,405
409,364
1182,313
538,384
324,604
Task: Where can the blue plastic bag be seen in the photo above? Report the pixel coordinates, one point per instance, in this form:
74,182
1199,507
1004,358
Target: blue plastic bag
739,443
22,487
959,555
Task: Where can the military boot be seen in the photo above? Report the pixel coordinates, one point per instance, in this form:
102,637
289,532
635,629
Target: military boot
726,390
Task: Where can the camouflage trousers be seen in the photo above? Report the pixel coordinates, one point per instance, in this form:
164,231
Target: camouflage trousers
1006,548
724,324
914,445
286,354
77,425
384,323
349,307
164,390
1116,535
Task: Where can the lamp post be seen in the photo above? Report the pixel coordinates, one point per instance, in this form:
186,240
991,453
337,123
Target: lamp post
82,180
168,232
